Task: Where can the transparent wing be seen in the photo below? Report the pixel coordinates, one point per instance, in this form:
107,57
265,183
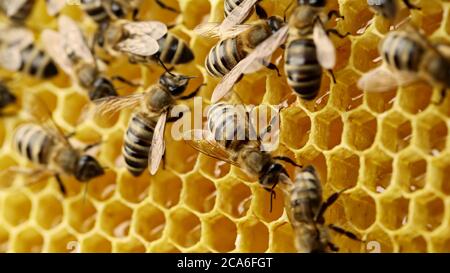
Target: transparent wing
10,59
139,45
238,14
12,6
154,29
214,30
326,52
382,79
73,39
158,145
41,114
204,142
109,105
251,63
18,37
54,47
54,6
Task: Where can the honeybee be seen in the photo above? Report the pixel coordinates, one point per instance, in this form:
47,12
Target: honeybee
305,209
70,51
18,52
144,139
227,138
145,42
6,97
43,143
17,10
389,8
308,50
408,56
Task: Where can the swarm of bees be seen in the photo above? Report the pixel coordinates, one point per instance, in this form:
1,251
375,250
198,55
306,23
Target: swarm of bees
243,47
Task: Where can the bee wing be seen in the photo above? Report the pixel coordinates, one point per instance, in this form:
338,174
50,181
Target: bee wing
326,52
139,45
215,30
73,39
54,6
238,14
53,45
382,79
204,142
10,59
158,145
40,113
154,29
12,6
109,105
251,63
18,37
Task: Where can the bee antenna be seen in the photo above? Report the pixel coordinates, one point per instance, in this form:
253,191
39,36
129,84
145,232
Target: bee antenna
165,67
105,168
287,9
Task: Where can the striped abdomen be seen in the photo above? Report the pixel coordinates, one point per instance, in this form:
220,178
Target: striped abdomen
401,52
34,143
173,50
24,11
306,196
223,57
229,125
303,70
95,10
137,144
37,63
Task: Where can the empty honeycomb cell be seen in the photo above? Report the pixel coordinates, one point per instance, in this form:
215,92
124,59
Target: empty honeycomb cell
166,189
428,211
49,98
102,187
197,11
6,179
81,215
131,245
220,224
199,193
378,168
76,102
361,129
440,169
134,189
282,238
260,204
356,14
106,121
396,132
431,134
360,209
185,229
49,211
163,247
16,208
430,16
4,240
344,47
235,198
440,243
253,236
365,52
96,243
410,243
412,171
343,167
297,122
149,222
381,101
345,95
175,150
115,219
322,97
312,156
328,129
111,149
256,84
63,241
28,240
415,98
390,203
378,241
213,168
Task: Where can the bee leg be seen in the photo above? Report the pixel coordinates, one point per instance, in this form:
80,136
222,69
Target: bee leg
335,13
335,32
442,97
193,94
344,232
164,160
173,119
70,135
91,146
333,247
135,14
262,14
166,7
409,5
332,75
286,10
125,81
330,201
272,66
164,66
60,184
273,195
287,160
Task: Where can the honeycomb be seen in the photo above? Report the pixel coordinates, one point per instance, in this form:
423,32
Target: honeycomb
390,149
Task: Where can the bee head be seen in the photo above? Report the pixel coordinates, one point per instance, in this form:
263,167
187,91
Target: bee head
271,175
175,83
275,23
87,168
6,97
313,3
102,88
